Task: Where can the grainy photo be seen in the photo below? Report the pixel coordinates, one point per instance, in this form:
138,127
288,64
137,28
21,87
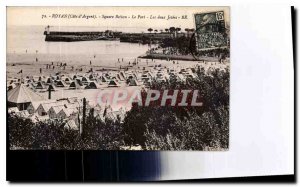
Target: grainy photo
118,78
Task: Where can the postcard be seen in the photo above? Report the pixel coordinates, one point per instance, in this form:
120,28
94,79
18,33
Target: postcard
118,78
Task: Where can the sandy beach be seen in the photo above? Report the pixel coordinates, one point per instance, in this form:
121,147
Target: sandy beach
18,62
27,63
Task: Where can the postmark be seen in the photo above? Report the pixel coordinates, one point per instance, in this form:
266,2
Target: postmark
210,32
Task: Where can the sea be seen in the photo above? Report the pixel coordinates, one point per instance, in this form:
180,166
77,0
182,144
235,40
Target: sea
26,44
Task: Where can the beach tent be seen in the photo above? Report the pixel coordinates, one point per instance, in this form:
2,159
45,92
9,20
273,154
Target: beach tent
133,83
78,81
59,83
91,77
51,87
74,85
118,77
21,97
41,78
49,80
113,78
123,75
104,79
99,82
130,75
67,80
84,79
92,85
113,83
121,78
39,85
150,75
54,110
44,107
33,106
71,124
67,113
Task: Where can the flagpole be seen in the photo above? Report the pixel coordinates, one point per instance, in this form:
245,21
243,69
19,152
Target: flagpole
21,75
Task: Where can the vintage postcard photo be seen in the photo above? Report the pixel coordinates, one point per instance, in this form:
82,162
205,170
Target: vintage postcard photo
118,78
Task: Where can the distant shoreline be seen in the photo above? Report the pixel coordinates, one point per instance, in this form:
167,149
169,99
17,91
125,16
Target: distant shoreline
178,57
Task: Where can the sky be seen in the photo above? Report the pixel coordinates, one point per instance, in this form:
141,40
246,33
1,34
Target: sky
32,16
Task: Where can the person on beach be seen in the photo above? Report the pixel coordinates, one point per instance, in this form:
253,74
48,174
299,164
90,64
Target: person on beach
90,62
40,70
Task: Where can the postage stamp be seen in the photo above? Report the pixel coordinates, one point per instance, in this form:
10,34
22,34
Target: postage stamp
211,30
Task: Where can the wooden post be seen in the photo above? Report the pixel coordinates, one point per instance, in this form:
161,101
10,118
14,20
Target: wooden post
83,117
49,92
79,123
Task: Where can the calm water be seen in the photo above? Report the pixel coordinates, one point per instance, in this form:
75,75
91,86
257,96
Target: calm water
22,38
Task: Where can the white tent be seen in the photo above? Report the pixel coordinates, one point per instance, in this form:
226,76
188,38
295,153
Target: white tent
92,85
113,83
59,83
21,96
39,85
51,87
74,85
54,110
134,82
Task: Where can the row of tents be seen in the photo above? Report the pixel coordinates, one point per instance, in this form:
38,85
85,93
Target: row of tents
24,102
